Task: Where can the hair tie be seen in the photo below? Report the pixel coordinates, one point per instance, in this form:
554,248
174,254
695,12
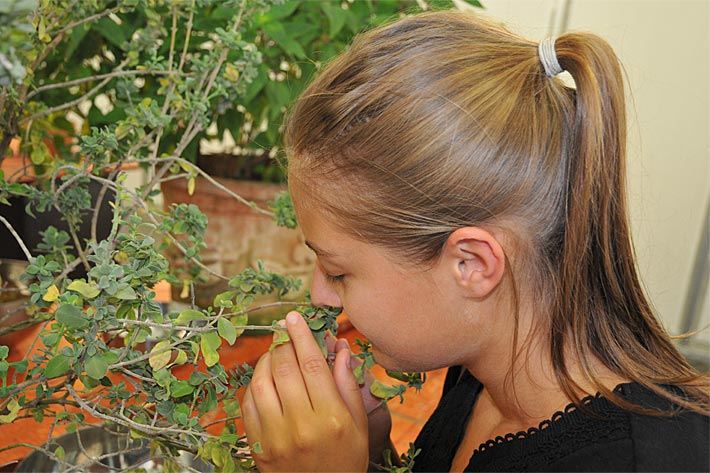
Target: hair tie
548,56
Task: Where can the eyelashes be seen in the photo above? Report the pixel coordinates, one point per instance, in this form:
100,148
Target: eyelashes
334,279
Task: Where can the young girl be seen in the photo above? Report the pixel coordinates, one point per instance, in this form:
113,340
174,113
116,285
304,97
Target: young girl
468,210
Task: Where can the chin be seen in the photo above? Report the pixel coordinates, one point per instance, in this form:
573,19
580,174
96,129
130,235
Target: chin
387,362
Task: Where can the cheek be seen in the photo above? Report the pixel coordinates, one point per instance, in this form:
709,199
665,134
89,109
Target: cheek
403,326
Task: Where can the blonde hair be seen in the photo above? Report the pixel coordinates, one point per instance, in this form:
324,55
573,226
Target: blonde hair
443,120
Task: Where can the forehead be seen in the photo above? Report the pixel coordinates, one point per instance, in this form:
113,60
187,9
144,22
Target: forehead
321,235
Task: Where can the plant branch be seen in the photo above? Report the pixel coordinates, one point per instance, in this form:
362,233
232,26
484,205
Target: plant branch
212,181
88,19
27,253
76,101
126,422
109,75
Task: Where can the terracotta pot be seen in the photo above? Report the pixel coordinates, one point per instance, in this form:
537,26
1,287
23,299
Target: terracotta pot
237,237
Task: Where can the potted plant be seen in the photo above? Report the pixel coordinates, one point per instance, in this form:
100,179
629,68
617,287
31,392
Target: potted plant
90,361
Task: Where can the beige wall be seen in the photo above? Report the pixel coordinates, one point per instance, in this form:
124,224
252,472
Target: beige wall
664,47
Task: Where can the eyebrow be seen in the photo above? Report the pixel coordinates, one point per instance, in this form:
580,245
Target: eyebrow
319,251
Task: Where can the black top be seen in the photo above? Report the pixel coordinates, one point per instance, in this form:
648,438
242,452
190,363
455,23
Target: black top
571,440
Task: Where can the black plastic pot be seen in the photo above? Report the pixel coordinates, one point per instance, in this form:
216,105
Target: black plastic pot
29,228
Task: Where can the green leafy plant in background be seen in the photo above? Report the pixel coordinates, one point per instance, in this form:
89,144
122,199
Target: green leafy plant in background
166,70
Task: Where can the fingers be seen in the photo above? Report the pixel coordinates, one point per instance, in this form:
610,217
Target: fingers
265,397
289,381
348,388
340,344
314,369
330,342
250,416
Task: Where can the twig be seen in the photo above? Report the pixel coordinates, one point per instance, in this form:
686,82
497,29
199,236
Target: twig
188,33
211,180
99,202
153,220
137,376
27,253
88,19
110,75
76,101
126,422
218,421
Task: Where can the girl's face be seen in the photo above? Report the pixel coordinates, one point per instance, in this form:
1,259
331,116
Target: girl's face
412,317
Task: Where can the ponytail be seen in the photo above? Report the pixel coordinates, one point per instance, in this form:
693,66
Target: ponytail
600,300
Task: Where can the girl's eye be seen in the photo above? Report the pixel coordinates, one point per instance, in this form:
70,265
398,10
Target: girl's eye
334,279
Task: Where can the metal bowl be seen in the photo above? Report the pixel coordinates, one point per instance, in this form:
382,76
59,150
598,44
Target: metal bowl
100,449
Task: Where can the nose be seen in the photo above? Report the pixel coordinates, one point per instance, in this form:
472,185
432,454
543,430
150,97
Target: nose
322,293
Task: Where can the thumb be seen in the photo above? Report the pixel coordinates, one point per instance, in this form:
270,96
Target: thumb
348,388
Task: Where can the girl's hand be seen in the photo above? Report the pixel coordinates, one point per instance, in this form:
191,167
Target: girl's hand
379,419
305,417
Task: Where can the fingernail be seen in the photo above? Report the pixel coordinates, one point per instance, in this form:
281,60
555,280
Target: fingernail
292,318
349,360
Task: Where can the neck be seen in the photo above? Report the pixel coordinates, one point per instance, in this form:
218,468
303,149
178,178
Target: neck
532,394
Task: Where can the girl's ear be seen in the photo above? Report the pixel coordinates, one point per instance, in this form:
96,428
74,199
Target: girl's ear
476,260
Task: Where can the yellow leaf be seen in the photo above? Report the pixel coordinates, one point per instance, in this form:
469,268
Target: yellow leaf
14,408
280,337
181,358
187,167
191,186
52,294
159,355
185,289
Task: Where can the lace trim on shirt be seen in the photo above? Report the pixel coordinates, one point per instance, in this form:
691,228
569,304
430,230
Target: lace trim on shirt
545,424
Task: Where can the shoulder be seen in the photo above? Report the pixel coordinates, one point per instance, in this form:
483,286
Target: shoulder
667,443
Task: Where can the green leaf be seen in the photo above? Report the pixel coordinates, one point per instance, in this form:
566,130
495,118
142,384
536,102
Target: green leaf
126,293
109,357
277,12
20,366
212,339
40,153
209,346
186,316
4,351
385,392
226,330
277,32
57,366
59,453
255,86
96,367
159,358
224,299
316,324
232,407
111,31
88,290
125,311
240,321
71,316
180,388
278,93
256,448
336,17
